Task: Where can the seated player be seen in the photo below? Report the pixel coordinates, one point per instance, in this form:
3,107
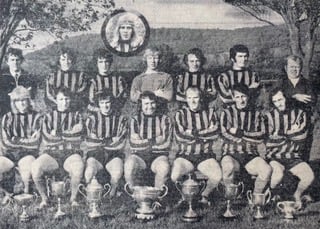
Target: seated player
106,80
150,141
288,128
106,138
242,129
20,136
61,134
196,129
195,76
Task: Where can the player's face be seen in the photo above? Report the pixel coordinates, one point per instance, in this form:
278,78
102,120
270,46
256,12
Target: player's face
193,100
103,66
125,32
105,106
65,62
293,69
14,62
63,102
240,99
22,105
152,61
279,101
194,63
149,106
241,60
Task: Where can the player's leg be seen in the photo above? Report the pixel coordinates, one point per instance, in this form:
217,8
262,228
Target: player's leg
44,163
92,168
5,166
260,168
74,166
161,168
277,173
24,167
131,165
212,170
115,169
229,167
181,166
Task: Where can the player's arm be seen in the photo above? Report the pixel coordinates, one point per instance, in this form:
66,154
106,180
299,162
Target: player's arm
163,142
182,134
166,91
50,135
33,141
118,142
213,131
135,91
75,133
256,135
299,127
50,92
227,130
224,88
136,142
180,94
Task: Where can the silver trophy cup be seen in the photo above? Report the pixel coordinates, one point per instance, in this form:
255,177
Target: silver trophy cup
23,200
231,192
259,200
287,208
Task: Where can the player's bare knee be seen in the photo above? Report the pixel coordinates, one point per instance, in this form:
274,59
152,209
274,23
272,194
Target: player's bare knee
264,171
5,164
227,166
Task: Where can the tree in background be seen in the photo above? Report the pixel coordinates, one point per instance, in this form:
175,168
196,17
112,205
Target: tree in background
302,18
19,19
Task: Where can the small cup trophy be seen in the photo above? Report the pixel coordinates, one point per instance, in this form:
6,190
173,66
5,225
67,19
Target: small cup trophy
259,200
24,200
57,189
288,208
191,189
93,194
146,197
231,192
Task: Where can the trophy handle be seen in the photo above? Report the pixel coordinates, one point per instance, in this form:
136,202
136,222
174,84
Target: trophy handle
106,187
221,188
268,194
48,182
179,187
242,189
67,185
165,189
128,190
203,185
249,196
80,188
280,206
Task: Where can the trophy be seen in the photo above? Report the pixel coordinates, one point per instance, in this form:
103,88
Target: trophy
23,200
146,197
58,189
288,208
259,200
190,189
94,194
231,192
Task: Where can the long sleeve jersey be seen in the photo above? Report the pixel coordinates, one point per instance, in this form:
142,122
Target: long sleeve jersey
73,80
242,130
21,131
114,83
228,79
287,133
108,130
150,133
201,80
195,132
62,130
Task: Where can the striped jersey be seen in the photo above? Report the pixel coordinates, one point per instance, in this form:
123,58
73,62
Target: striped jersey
114,83
291,127
144,128
228,79
62,130
242,130
101,128
73,80
201,80
21,131
206,125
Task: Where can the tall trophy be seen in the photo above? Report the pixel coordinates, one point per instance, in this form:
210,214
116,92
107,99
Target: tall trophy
231,192
259,200
146,197
23,200
190,190
288,208
93,193
59,190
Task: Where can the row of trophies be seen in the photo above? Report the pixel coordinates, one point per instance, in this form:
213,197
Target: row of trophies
147,198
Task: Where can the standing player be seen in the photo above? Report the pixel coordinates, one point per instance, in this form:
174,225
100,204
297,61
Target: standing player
20,135
150,141
238,74
195,76
243,129
62,131
196,128
105,80
288,130
106,138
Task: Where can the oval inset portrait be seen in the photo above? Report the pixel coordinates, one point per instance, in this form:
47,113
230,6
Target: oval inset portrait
125,33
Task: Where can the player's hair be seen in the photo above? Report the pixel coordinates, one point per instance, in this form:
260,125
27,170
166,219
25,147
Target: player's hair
240,88
69,52
103,95
198,53
14,52
102,53
295,58
65,91
152,51
148,94
238,48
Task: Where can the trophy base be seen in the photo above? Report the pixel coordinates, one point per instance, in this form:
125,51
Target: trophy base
59,215
94,215
144,216
229,215
189,219
24,218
